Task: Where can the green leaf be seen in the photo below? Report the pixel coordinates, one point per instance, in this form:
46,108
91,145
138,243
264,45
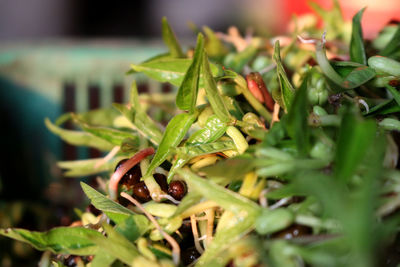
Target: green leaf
358,77
357,50
77,168
170,70
224,239
173,135
395,93
214,47
141,122
287,90
187,92
102,259
297,120
133,227
113,136
116,245
99,117
354,136
343,76
190,199
232,168
170,40
387,107
213,95
60,240
393,46
239,60
192,151
227,199
79,138
115,211
212,131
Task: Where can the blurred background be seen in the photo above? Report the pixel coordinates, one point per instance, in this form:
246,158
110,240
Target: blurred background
58,56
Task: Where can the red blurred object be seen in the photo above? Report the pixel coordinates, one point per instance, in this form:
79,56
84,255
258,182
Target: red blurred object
377,14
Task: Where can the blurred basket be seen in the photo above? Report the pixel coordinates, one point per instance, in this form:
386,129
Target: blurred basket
39,80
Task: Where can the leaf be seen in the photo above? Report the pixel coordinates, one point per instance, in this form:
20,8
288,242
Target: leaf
395,93
77,168
393,46
113,136
190,199
343,76
224,238
211,132
60,240
141,122
227,199
297,120
287,90
79,138
192,151
212,93
102,259
115,211
354,136
170,40
133,227
170,70
214,47
187,92
99,117
173,135
240,59
116,245
357,50
387,107
358,77
232,168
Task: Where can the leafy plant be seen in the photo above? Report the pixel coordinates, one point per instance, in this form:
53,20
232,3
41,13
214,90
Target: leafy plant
308,178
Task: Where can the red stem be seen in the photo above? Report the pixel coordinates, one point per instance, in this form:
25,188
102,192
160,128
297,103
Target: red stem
124,168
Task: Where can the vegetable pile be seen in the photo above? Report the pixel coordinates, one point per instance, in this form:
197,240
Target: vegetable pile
270,152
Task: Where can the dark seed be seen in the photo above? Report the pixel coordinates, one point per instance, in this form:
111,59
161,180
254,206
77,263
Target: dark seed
161,179
140,192
177,189
190,255
293,231
132,176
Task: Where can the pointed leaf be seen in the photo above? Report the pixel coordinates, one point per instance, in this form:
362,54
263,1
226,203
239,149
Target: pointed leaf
173,135
170,70
79,138
354,136
170,40
297,120
357,50
187,92
287,90
61,240
212,92
115,211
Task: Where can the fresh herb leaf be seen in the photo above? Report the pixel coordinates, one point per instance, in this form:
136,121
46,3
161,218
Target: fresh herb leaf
187,92
287,90
173,135
357,50
213,95
79,138
170,40
63,240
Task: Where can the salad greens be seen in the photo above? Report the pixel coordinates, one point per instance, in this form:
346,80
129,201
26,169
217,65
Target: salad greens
278,153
